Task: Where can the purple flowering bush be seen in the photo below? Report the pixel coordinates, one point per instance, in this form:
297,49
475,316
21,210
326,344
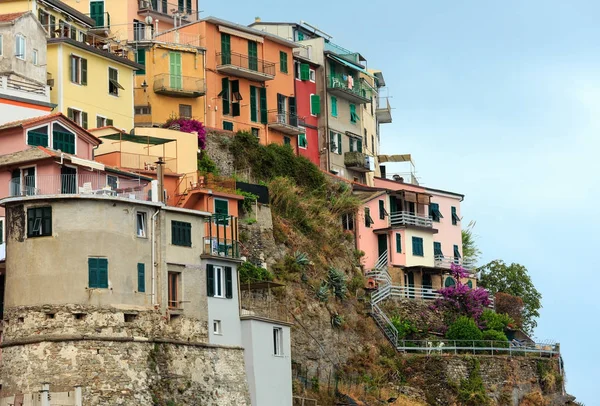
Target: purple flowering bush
461,300
188,125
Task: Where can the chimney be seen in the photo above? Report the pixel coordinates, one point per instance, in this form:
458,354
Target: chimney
257,19
161,179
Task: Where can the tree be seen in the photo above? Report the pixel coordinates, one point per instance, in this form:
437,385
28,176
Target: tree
513,279
471,252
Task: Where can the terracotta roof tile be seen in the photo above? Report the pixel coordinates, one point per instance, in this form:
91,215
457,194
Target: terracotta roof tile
10,17
27,121
28,155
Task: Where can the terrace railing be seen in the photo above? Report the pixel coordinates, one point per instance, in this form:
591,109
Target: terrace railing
405,218
245,62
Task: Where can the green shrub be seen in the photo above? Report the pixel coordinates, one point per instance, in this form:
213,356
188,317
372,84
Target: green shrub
496,321
464,329
252,273
337,321
249,199
207,165
471,391
405,327
498,337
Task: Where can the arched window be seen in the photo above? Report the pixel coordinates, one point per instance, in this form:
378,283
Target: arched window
449,282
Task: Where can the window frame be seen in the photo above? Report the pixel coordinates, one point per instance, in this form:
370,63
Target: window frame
34,57
46,215
312,75
219,282
47,125
141,277
173,282
18,38
181,240
100,121
368,219
108,181
2,237
434,212
398,243
302,137
283,62
455,218
415,252
217,328
144,216
79,71
278,342
103,284
334,106
115,85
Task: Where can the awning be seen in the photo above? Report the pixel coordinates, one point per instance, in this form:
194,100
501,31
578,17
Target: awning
349,64
395,158
138,139
87,163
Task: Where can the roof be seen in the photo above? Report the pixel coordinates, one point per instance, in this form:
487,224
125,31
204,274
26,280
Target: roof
19,157
365,196
70,10
138,139
94,50
4,18
249,30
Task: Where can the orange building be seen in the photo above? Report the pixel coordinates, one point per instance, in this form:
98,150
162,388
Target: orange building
250,81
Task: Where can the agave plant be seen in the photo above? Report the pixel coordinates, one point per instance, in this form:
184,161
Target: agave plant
301,258
323,292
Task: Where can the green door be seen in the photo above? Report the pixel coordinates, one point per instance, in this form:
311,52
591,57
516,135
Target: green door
175,70
225,49
252,55
97,12
381,243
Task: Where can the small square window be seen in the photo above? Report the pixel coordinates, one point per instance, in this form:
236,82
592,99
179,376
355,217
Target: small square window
255,132
141,224
112,181
217,327
100,121
312,75
185,110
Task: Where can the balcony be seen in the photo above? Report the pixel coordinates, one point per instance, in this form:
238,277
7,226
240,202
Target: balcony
257,300
88,184
284,122
165,11
239,65
446,262
384,113
179,86
101,20
358,161
221,238
405,218
349,89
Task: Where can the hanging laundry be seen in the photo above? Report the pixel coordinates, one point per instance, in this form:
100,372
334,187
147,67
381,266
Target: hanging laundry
350,82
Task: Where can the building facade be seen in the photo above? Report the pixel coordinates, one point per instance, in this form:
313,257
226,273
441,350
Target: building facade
24,92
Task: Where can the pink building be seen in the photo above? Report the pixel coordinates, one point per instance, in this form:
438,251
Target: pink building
412,231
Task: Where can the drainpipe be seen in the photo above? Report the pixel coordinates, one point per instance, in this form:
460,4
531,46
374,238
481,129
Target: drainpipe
153,257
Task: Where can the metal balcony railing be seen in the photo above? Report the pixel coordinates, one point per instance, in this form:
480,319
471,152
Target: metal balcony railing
342,52
282,117
222,237
176,85
169,8
245,62
405,218
102,20
349,86
79,184
443,261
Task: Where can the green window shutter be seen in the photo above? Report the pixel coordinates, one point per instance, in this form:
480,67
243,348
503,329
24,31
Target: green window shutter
84,119
37,137
263,105
351,145
253,105
210,280
70,114
304,71
367,217
64,141
225,49
456,253
449,282
103,273
109,121
455,218
92,272
315,104
228,282
222,210
359,145
398,243
302,142
141,277
141,59
353,113
252,55
381,209
339,143
287,141
228,125
84,71
334,110
225,95
283,62
437,249
332,141
300,36
417,246
470,284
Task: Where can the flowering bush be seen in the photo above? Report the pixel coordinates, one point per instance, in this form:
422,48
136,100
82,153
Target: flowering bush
188,125
461,300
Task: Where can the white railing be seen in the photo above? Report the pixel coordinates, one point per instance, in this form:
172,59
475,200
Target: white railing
441,346
442,261
79,184
405,218
382,261
410,292
385,324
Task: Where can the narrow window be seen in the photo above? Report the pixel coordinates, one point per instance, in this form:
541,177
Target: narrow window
283,62
113,82
368,219
141,277
434,212
287,141
141,224
219,281
1,231
315,104
35,57
20,46
417,246
173,288
277,341
98,273
455,218
437,250
181,233
348,222
255,132
112,181
302,142
398,243
1,45
334,108
312,75
353,116
382,210
457,255
217,327
39,222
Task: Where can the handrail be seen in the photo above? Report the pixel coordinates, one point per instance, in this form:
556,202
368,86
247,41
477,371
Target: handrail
282,117
474,346
407,218
446,261
246,62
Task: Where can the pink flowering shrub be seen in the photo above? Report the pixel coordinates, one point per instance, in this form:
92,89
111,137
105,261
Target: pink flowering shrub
461,300
188,125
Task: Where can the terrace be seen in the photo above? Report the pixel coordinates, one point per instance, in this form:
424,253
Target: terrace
284,122
234,64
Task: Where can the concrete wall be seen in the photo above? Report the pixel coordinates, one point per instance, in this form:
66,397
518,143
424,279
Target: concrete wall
223,309
12,111
269,376
35,39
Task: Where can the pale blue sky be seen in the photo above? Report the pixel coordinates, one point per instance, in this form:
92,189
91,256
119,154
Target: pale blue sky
501,102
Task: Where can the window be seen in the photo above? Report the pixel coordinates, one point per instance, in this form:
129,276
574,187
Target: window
334,107
217,327
300,36
20,46
225,49
315,104
98,273
185,110
277,341
100,121
173,288
181,233
224,95
348,222
78,70
283,62
255,132
35,57
253,55
434,212
368,218
457,255
39,222
382,211
78,116
417,246
221,211
140,221
287,141
188,6
141,277
112,181
140,57
228,125
449,282
355,144
297,70
437,249
236,97
145,110
353,116
113,82
455,218
312,75
263,105
219,281
304,71
302,142
253,104
38,136
398,243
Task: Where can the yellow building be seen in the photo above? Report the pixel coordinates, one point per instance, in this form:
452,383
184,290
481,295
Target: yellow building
172,83
90,75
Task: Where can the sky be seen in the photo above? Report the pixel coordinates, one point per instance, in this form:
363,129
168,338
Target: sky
499,101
